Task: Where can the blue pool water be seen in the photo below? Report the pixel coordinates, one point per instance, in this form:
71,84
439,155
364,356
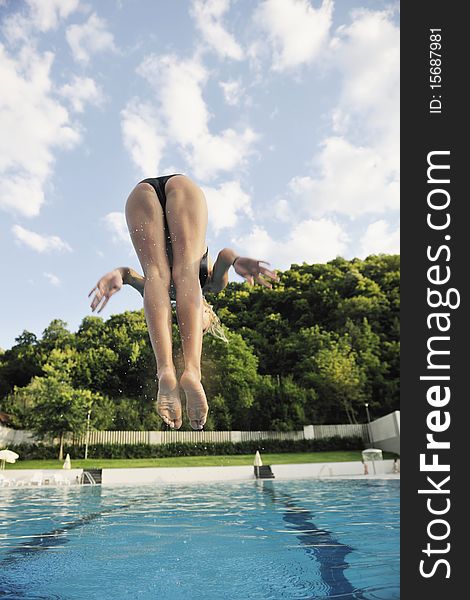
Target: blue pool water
265,539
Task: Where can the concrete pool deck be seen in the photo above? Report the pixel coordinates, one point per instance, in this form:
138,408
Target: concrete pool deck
158,475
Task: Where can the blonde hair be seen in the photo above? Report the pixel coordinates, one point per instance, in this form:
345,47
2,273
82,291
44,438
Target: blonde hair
215,327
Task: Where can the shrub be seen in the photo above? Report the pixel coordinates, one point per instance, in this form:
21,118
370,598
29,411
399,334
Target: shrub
41,451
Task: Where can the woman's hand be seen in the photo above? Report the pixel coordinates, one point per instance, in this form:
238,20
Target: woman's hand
252,270
108,285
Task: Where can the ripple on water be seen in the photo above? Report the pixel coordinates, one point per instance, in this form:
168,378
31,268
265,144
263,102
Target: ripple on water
276,540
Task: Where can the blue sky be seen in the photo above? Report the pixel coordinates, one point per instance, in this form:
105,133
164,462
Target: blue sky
286,112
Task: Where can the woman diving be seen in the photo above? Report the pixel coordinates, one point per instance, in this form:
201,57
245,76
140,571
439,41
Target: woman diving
167,222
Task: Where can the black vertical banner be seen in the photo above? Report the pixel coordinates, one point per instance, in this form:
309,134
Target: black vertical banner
435,465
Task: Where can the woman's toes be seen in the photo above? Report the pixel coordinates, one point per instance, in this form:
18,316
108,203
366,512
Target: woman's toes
196,402
169,409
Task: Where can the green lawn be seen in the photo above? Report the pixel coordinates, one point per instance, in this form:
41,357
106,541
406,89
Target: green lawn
196,461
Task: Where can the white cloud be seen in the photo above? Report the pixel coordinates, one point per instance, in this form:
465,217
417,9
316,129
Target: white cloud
282,210
81,91
223,152
233,92
296,31
225,205
340,121
142,137
39,243
89,38
367,54
178,85
356,170
43,15
22,193
46,14
53,279
208,16
33,124
116,223
378,239
352,180
311,241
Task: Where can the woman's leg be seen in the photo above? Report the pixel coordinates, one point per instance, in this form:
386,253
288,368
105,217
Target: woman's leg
186,213
147,229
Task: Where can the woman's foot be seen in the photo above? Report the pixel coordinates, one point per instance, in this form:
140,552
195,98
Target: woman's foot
196,402
168,399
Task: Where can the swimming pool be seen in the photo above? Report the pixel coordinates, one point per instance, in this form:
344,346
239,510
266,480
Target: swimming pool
260,539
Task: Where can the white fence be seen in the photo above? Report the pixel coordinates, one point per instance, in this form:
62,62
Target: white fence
326,431
12,437
192,437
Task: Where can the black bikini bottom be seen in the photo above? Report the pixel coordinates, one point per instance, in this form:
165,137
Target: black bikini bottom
158,184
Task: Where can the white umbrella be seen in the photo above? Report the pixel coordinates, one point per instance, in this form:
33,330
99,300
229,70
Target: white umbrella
67,464
8,456
258,463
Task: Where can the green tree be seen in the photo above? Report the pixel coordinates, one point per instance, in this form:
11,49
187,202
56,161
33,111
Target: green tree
19,364
18,405
282,405
51,406
339,380
128,415
57,408
229,371
56,336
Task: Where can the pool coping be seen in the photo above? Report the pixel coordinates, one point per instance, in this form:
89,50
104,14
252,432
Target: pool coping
384,469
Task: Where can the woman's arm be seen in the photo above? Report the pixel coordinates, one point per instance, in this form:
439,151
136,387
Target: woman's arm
132,278
219,278
249,268
111,283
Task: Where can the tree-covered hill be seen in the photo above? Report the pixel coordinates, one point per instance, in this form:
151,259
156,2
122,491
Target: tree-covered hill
313,349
